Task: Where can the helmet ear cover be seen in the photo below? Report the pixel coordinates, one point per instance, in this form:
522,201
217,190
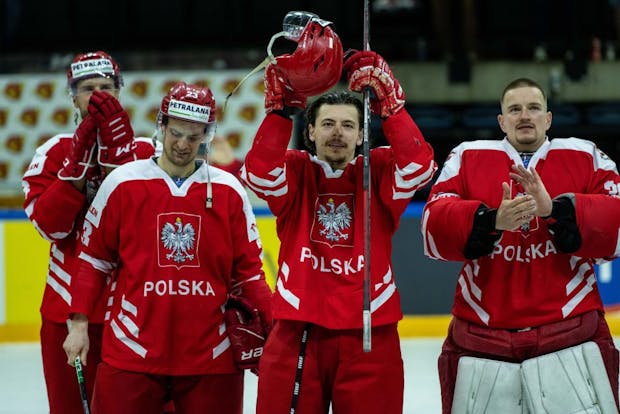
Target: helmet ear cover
316,64
190,103
91,65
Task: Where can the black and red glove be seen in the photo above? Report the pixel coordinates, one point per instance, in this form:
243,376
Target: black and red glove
367,69
279,95
80,156
117,145
246,331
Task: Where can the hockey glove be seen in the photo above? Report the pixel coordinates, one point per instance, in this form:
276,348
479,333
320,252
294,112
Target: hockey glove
246,332
368,69
562,223
79,158
279,95
116,139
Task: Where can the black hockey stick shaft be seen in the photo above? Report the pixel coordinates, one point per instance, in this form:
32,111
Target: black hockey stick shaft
299,370
366,316
82,385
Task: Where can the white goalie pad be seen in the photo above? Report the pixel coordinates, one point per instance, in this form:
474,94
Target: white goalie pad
572,380
485,386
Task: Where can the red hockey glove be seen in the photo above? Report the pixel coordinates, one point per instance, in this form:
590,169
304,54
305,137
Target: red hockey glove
246,332
369,69
80,155
279,95
116,139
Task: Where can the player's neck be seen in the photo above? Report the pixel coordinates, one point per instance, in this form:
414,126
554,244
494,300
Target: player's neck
176,171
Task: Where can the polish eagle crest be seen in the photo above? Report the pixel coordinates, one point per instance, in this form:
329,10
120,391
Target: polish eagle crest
179,239
334,219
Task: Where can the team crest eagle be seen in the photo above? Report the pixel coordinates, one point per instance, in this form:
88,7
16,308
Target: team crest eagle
334,220
179,239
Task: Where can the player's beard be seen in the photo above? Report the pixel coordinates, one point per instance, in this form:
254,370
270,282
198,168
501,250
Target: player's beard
179,159
337,158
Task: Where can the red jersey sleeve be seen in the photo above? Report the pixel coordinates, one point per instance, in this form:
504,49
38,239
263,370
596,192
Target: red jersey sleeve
266,170
97,259
597,213
447,218
248,277
51,204
414,164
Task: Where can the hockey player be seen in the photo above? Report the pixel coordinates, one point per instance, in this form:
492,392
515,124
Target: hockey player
178,237
316,196
527,215
62,179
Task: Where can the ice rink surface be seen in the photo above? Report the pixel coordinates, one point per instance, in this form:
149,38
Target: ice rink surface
22,390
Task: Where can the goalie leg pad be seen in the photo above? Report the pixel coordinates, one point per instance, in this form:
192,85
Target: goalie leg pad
572,380
487,386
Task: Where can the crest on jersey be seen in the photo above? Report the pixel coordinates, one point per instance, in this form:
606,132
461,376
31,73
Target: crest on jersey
332,220
178,240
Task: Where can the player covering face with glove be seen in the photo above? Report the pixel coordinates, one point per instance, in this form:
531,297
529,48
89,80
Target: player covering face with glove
313,355
62,179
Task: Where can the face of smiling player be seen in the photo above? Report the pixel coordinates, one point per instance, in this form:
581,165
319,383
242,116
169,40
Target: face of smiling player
336,134
524,118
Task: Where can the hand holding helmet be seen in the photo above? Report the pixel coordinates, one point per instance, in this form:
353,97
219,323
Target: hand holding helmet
279,95
314,67
369,69
79,157
116,137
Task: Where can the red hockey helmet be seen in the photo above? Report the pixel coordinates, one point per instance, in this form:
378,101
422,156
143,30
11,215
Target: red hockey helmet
316,65
93,64
190,103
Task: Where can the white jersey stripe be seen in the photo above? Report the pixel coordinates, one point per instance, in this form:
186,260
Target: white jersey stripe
130,343
128,306
129,324
380,300
482,314
60,272
578,278
58,288
576,300
221,347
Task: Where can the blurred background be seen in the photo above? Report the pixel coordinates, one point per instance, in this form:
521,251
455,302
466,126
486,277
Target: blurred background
452,57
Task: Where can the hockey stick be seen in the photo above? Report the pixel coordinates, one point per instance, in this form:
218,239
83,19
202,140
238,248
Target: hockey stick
82,384
300,368
366,333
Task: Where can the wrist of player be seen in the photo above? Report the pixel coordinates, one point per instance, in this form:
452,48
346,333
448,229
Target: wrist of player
116,142
75,166
116,156
484,233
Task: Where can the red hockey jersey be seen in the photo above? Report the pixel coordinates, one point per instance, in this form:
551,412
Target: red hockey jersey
525,281
56,209
319,218
175,262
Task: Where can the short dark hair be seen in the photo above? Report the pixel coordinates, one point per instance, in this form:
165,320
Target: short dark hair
332,98
522,82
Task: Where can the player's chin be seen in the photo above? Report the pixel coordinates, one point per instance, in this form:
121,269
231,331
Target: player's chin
182,159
